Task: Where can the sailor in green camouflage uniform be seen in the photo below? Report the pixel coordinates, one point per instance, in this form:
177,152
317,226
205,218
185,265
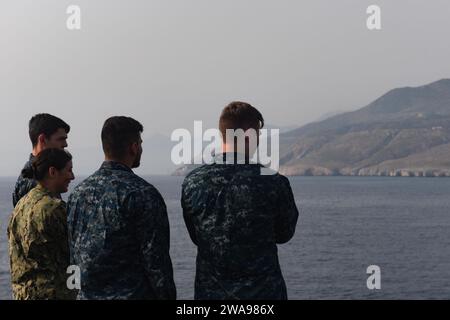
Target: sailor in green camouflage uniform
38,241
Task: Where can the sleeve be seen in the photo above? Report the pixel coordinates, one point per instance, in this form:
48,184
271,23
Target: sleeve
286,219
15,196
153,234
187,215
16,193
22,187
48,246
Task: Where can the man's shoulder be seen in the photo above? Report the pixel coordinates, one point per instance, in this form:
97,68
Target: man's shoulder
115,182
88,182
198,172
23,182
254,174
246,170
138,185
273,182
201,174
23,185
273,176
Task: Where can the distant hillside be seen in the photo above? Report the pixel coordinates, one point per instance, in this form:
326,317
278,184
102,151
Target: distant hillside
405,132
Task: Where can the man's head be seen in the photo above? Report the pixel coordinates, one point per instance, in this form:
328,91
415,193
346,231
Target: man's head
240,115
121,140
47,131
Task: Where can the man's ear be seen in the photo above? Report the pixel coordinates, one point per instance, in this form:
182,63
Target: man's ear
134,148
42,140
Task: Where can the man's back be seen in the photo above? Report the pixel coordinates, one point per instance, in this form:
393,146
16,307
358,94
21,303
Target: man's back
23,184
119,237
236,216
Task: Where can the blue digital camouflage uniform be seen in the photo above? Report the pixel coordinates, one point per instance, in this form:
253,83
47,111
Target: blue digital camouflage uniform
23,185
236,217
38,247
119,236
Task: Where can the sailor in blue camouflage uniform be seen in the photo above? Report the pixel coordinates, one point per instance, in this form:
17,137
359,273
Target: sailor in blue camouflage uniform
45,131
24,184
118,224
236,216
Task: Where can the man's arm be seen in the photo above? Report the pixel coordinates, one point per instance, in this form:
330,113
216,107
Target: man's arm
286,220
22,187
154,238
187,216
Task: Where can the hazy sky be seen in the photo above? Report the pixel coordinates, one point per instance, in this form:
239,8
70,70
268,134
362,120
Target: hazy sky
170,62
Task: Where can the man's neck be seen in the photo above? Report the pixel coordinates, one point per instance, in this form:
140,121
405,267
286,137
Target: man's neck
226,148
37,149
127,163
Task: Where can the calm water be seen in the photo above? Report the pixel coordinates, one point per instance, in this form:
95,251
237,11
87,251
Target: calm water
346,224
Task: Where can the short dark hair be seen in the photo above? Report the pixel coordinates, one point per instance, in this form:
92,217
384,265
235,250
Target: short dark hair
240,115
118,134
47,124
47,158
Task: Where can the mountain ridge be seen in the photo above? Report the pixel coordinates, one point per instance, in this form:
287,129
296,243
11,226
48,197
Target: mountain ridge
398,125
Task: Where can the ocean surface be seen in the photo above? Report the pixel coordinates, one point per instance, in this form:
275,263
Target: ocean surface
346,224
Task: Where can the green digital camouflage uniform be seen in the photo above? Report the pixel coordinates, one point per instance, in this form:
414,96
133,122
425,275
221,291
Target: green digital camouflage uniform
38,247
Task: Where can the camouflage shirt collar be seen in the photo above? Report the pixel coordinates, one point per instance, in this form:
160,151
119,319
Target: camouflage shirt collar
30,161
41,189
114,165
232,157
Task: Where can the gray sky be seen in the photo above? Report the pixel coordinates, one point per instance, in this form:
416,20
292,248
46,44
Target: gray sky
170,62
